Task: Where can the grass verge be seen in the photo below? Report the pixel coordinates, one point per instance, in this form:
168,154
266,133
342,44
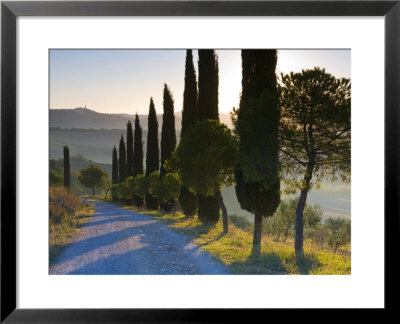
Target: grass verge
234,248
62,234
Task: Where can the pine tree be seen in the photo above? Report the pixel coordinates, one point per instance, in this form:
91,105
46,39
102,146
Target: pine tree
152,152
129,149
67,169
137,157
122,160
187,199
257,178
168,137
114,166
208,207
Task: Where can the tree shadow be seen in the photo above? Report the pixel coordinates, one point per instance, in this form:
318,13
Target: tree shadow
269,263
305,263
217,238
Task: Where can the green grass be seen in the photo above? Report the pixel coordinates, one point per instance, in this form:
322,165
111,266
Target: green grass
62,234
234,248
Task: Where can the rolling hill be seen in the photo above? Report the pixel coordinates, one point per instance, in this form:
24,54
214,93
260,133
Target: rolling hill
84,118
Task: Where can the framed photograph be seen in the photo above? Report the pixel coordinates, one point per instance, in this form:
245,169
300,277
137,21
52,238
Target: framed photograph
162,159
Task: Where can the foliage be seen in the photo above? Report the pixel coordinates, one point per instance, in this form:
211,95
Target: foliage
283,221
315,134
126,189
187,199
153,181
137,158
106,186
152,152
115,192
62,205
92,177
189,111
208,207
256,126
114,175
315,127
67,168
122,160
129,149
208,85
167,188
234,250
141,186
205,158
339,232
66,213
55,178
168,137
137,149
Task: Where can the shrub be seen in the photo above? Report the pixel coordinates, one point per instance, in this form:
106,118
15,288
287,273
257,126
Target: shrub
339,232
115,192
63,205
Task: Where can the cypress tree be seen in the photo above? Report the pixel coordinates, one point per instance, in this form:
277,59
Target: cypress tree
208,207
67,169
137,157
257,179
114,166
168,137
122,160
152,152
129,149
187,199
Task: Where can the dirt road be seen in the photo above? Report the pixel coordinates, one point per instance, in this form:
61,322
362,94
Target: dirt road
118,241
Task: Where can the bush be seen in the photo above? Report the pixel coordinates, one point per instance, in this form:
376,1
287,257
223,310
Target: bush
63,205
241,222
339,232
115,192
56,179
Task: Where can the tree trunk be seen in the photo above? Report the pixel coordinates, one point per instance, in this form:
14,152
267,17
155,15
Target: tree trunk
93,191
105,196
298,245
257,234
224,211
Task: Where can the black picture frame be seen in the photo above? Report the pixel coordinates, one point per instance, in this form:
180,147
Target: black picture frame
10,10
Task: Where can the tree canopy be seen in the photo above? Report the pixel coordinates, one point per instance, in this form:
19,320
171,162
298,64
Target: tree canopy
190,115
67,168
256,127
315,134
152,152
205,161
92,177
129,149
122,160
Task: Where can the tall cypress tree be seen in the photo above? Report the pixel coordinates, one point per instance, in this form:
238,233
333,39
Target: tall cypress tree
208,207
152,152
187,199
67,169
257,178
137,157
168,137
122,160
129,149
114,166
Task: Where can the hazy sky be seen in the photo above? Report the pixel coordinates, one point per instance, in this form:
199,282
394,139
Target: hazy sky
122,81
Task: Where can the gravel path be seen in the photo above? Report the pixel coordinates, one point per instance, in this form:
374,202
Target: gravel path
118,241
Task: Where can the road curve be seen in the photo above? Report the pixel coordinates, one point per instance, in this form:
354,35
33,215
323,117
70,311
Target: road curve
118,241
